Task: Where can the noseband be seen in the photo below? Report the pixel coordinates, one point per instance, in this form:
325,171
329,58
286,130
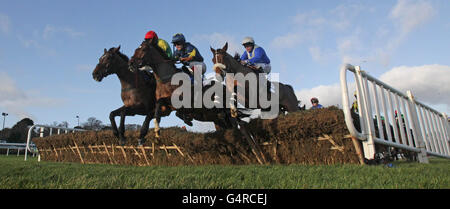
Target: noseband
218,65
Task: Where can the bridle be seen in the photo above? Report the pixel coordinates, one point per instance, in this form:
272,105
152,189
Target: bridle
219,65
107,64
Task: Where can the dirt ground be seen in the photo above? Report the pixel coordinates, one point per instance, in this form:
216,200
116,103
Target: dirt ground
304,137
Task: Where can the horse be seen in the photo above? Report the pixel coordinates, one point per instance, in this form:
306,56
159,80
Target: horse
225,63
163,70
137,93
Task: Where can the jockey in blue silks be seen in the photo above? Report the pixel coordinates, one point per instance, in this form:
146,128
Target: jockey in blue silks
255,55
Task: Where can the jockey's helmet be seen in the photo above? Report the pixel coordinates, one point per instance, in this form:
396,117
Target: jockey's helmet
314,100
248,41
151,35
178,38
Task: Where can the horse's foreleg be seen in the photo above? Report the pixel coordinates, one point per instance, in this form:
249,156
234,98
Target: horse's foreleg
112,117
144,129
157,119
122,125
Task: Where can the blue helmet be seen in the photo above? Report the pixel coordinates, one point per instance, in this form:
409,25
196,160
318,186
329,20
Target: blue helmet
178,38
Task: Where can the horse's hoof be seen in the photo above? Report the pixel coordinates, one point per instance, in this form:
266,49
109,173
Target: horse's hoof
157,140
141,142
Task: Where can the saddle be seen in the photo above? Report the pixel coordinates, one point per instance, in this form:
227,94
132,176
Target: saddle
256,70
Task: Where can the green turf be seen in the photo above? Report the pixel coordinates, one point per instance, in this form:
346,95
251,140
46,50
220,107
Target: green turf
15,173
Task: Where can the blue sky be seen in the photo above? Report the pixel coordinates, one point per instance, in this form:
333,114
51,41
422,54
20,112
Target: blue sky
48,49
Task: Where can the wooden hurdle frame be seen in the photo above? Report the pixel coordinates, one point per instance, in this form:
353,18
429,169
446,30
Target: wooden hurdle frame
143,152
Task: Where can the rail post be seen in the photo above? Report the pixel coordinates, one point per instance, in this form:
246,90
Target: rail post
416,127
422,155
368,144
41,134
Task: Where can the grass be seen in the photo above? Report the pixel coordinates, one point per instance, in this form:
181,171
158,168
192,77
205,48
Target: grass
18,174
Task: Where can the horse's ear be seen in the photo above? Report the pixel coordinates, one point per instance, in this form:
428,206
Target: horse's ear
105,51
225,48
118,49
212,50
237,56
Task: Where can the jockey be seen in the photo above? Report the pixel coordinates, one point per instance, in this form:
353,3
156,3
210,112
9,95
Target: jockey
315,103
161,45
153,39
188,54
255,55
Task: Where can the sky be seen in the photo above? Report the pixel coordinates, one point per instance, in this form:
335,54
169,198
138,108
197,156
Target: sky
48,49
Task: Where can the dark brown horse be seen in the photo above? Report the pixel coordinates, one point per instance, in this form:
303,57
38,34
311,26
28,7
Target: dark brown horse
225,63
163,70
138,94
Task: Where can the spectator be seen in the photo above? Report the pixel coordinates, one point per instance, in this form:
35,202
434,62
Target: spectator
315,103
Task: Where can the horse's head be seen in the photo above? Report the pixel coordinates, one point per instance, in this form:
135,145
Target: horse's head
108,64
144,55
219,60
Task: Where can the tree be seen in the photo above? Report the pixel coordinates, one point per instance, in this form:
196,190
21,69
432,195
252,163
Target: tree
18,133
92,124
63,124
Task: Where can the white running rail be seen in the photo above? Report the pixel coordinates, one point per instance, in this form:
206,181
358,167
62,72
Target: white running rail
41,134
424,129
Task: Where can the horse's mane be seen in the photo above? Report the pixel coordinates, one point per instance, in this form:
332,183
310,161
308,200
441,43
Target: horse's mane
237,57
123,56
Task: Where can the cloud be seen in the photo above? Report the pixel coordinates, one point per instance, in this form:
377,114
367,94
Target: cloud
33,43
406,16
50,31
308,26
305,29
343,15
319,55
40,39
28,43
5,24
327,94
409,14
15,101
316,31
218,40
428,83
289,40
